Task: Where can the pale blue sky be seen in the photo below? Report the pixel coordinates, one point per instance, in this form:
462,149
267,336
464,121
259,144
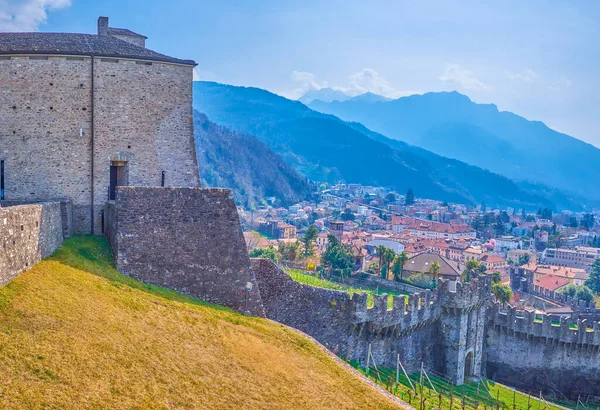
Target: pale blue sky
537,58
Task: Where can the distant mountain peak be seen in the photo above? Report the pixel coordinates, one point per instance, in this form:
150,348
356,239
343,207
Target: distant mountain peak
324,94
370,98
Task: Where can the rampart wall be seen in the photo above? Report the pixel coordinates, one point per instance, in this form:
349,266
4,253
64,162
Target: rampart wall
372,281
537,352
186,239
415,330
28,233
580,307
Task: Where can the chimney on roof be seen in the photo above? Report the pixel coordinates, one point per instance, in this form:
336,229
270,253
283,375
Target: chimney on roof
102,26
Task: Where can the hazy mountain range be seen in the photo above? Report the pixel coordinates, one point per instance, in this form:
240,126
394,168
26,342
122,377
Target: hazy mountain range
325,148
329,95
244,164
450,124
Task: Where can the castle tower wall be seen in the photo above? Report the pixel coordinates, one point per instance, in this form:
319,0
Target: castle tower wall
45,107
141,114
463,327
143,118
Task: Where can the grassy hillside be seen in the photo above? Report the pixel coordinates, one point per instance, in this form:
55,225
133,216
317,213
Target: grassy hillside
74,333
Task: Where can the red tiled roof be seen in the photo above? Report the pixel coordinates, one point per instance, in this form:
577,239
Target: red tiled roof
492,259
551,282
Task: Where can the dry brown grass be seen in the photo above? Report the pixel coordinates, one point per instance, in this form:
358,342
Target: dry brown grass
72,339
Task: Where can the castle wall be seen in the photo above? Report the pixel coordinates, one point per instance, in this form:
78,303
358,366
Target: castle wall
186,239
347,326
28,233
326,315
142,115
44,104
532,353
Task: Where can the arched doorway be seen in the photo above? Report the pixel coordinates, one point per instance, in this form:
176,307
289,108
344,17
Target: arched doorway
468,365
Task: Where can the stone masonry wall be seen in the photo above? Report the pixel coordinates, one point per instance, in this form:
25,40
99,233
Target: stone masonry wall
143,115
533,352
186,239
43,106
28,233
346,326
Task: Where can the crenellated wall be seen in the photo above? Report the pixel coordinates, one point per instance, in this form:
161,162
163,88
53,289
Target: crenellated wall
435,327
29,233
537,352
580,307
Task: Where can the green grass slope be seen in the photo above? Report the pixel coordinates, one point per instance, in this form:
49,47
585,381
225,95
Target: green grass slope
74,333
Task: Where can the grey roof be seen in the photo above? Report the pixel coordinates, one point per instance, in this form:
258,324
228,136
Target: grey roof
123,32
422,261
78,44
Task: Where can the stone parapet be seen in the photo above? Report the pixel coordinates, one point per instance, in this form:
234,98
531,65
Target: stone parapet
406,312
29,233
465,295
563,298
529,324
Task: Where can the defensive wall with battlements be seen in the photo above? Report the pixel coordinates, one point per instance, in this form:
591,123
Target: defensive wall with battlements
436,328
532,351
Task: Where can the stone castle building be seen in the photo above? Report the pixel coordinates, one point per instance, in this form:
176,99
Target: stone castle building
84,113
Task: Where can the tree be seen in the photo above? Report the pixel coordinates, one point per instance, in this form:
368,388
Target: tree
289,251
347,215
483,207
472,268
373,268
545,213
380,251
573,222
386,257
502,292
267,253
434,270
523,259
584,293
410,197
503,217
397,269
389,256
399,263
391,197
337,257
580,292
308,241
496,278
587,222
594,280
